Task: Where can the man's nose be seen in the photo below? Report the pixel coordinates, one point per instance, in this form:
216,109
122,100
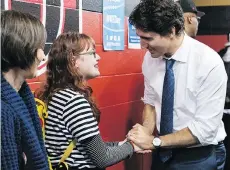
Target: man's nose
144,44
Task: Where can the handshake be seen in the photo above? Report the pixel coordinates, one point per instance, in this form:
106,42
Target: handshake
141,139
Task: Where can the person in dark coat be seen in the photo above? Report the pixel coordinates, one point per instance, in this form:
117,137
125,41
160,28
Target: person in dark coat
225,55
22,49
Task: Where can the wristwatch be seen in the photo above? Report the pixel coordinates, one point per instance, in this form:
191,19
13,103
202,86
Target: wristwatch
156,142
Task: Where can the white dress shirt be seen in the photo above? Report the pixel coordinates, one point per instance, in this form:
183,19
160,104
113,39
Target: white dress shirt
200,89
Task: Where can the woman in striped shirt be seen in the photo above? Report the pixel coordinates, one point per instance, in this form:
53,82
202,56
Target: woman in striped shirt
72,113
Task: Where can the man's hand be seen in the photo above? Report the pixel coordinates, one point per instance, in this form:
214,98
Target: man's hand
136,148
141,137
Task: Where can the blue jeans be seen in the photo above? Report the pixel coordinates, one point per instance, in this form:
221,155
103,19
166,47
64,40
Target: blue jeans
220,156
200,158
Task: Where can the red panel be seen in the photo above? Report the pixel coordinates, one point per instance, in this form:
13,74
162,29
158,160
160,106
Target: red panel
109,91
115,123
117,120
216,42
71,4
119,166
42,77
120,62
93,21
147,161
134,163
92,25
32,80
115,90
137,162
9,4
34,86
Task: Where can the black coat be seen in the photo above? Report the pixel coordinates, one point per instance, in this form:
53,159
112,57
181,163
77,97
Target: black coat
222,52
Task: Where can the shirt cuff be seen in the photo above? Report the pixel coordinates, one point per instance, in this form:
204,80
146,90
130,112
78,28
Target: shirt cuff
197,132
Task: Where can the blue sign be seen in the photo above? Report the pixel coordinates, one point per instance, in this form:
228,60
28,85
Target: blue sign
133,39
113,24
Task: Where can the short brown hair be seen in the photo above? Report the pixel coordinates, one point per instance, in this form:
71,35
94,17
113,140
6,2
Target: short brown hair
21,35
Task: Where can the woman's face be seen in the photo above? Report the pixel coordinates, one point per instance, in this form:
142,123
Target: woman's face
87,64
32,71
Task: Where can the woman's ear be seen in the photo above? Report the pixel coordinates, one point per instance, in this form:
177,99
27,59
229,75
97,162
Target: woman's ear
77,62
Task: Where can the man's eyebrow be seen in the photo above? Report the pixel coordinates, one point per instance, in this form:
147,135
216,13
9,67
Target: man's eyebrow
146,38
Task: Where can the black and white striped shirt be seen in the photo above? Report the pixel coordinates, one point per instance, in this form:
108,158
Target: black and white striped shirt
69,117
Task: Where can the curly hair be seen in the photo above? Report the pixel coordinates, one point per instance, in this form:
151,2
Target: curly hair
158,16
61,73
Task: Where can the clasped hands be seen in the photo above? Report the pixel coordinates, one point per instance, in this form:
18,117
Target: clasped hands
141,139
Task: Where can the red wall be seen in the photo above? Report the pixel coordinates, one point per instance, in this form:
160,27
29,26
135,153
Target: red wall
216,42
119,88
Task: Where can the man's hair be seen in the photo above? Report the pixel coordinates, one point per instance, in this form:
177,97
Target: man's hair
158,16
21,35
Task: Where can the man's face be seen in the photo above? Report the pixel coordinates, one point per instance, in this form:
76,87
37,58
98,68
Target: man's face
191,23
156,44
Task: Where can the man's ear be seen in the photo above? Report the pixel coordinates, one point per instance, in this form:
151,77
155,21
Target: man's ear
171,35
189,19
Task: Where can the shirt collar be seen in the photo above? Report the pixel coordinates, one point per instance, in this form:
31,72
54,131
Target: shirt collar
181,54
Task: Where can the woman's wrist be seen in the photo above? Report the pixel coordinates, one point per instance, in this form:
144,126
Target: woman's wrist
131,144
